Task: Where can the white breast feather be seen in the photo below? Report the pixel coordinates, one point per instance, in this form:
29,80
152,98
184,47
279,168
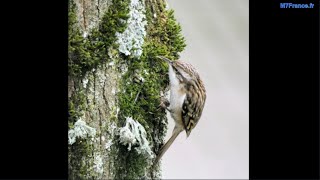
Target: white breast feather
176,96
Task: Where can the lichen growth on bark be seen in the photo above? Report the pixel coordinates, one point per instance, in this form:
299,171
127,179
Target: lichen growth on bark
107,87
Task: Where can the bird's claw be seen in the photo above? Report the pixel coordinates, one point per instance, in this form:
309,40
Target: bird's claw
164,103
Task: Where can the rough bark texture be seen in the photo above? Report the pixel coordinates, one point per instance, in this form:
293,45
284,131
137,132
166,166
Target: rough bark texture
89,12
98,92
108,87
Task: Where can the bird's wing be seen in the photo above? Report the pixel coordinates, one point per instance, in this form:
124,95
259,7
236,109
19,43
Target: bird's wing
188,112
192,106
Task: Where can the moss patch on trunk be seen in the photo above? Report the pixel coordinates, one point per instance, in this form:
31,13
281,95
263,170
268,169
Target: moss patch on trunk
143,81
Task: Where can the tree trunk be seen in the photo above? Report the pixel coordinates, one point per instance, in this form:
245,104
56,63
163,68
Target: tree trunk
115,83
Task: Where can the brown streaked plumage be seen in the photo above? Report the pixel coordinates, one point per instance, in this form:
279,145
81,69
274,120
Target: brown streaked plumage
187,99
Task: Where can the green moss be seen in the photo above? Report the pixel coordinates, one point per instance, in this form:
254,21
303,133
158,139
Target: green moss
84,54
137,99
80,152
80,159
140,100
76,107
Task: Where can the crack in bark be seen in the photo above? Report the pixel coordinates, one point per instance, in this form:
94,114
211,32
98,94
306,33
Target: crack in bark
84,15
98,9
94,87
104,90
100,126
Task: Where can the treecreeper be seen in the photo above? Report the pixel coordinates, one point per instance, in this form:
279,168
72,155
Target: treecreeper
187,99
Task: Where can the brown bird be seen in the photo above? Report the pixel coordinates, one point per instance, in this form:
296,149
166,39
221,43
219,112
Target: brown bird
187,99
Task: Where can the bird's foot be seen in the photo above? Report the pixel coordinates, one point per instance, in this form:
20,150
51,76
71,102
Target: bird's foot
164,103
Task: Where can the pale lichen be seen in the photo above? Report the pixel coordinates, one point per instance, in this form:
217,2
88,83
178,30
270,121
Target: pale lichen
106,98
128,133
112,131
133,133
85,82
131,40
98,164
101,76
80,130
113,126
123,68
108,145
85,34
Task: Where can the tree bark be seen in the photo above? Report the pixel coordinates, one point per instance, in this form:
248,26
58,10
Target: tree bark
115,124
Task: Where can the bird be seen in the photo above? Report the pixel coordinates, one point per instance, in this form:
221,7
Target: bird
187,99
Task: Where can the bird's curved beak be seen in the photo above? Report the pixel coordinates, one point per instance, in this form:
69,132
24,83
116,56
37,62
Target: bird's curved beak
164,59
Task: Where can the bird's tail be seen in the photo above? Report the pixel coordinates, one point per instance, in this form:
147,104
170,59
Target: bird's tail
166,146
165,59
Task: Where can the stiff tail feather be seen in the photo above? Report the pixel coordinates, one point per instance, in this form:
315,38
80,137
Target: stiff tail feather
166,147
